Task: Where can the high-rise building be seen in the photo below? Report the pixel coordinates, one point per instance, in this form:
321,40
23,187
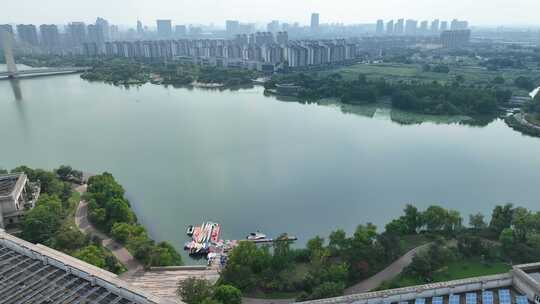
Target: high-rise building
455,38
314,21
232,27
180,30
411,27
77,33
282,38
380,27
6,27
102,25
50,37
95,34
28,34
435,26
140,28
424,27
273,26
400,27
164,28
444,26
459,25
114,32
390,27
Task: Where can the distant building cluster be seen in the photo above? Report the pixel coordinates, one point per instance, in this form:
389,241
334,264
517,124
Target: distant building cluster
237,44
411,27
253,51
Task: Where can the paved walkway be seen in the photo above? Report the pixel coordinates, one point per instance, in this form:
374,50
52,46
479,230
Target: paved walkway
386,274
117,249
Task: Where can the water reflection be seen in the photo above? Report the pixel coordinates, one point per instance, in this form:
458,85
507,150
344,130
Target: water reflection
16,88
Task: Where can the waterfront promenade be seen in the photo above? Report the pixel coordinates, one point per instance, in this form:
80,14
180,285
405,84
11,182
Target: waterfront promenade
117,249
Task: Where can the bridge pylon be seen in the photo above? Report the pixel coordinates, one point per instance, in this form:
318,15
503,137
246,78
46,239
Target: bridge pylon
7,43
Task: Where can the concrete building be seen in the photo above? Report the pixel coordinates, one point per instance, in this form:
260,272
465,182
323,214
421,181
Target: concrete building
76,33
104,28
164,28
390,27
8,29
520,286
180,30
424,27
37,274
411,27
232,27
435,26
444,26
455,38
282,38
459,25
379,30
50,38
314,22
17,195
140,28
400,27
27,34
273,26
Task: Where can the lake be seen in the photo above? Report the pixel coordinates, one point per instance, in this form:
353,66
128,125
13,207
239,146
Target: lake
252,162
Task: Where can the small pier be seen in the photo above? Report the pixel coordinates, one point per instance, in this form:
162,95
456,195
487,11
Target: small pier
270,240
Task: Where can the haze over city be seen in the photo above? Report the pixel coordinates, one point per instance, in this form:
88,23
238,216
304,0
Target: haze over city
126,12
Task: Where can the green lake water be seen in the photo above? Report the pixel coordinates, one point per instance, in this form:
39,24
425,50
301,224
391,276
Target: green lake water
252,162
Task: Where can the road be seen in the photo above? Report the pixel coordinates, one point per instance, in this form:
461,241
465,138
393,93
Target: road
117,249
386,274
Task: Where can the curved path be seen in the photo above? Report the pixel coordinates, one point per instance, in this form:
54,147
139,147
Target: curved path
117,249
366,285
386,274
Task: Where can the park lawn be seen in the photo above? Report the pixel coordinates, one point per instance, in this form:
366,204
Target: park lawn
467,268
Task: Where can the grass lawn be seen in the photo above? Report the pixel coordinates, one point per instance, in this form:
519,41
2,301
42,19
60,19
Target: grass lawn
463,269
472,73
470,268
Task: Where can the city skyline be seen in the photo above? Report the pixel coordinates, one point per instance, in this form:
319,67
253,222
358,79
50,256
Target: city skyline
126,13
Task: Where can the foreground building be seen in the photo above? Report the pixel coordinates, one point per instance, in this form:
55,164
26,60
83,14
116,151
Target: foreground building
37,274
17,195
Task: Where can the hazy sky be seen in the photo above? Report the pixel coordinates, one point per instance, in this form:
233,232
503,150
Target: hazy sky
126,12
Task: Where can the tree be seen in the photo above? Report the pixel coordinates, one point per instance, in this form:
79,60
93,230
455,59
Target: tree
501,218
521,222
164,254
69,238
435,218
92,255
477,222
337,242
228,294
507,240
524,82
118,211
412,219
498,80
194,290
42,223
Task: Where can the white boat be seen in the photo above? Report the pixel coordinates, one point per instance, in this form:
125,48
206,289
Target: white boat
254,236
190,230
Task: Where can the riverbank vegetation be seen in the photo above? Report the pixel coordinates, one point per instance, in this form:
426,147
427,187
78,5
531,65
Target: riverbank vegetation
426,98
111,213
326,267
51,222
125,71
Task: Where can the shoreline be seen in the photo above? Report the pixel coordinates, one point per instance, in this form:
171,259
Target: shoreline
519,123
